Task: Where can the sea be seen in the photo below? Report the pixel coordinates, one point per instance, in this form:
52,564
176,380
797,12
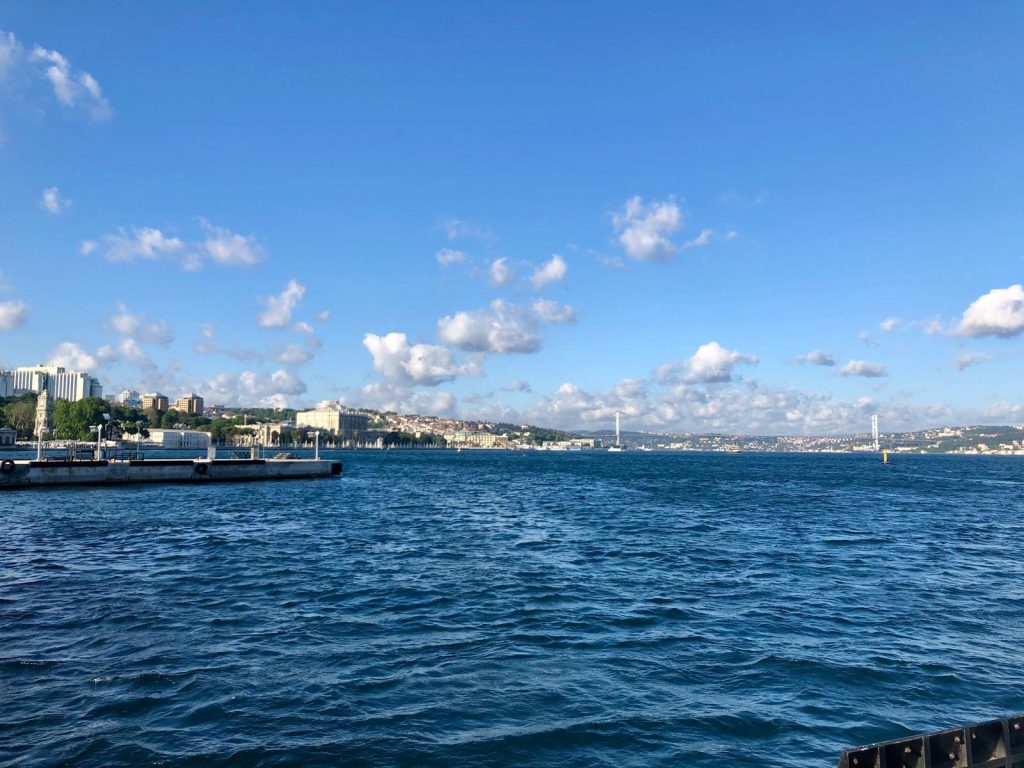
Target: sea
432,608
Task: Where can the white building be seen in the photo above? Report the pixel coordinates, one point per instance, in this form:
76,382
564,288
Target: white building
6,383
131,398
179,438
332,417
60,383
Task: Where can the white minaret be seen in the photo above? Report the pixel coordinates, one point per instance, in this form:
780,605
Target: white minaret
874,431
617,415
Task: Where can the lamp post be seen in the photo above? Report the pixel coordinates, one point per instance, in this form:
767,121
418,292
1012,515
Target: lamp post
99,436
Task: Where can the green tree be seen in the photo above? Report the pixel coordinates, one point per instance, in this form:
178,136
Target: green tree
20,413
71,421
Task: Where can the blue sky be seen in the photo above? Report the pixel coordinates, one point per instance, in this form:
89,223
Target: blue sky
711,216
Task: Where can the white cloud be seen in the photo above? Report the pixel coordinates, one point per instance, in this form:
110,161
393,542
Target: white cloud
384,396
9,49
225,247
1000,312
968,359
457,229
323,316
504,329
501,273
13,314
818,357
448,256
408,365
863,368
550,272
147,244
704,238
293,354
711,363
303,327
208,344
278,312
70,355
889,325
128,324
865,338
552,312
517,385
51,201
645,230
70,87
252,388
151,244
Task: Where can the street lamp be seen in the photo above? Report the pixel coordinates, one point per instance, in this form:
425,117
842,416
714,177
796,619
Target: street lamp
99,436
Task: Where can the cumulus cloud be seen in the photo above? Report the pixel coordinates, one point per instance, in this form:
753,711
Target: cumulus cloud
645,230
271,390
72,88
501,273
151,244
448,256
408,365
323,316
889,325
503,329
9,49
967,359
278,312
293,354
818,357
226,247
1000,312
384,396
13,314
52,202
552,312
710,364
863,368
551,271
128,324
70,355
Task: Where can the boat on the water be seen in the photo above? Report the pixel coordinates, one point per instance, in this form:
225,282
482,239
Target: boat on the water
44,472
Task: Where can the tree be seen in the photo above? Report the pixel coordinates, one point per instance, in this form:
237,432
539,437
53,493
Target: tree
20,413
71,421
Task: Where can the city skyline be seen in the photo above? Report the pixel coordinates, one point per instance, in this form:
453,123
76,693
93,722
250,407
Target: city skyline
775,226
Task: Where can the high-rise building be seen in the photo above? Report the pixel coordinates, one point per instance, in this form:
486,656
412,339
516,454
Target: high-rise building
189,404
61,384
131,398
156,401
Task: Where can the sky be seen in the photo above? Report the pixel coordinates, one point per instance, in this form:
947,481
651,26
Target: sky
711,216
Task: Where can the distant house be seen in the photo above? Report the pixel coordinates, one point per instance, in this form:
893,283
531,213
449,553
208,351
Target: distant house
8,436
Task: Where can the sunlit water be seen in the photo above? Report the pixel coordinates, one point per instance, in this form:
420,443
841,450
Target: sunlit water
441,609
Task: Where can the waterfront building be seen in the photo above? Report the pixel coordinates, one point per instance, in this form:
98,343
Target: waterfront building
462,439
334,418
276,433
156,401
60,383
8,437
179,438
189,404
130,398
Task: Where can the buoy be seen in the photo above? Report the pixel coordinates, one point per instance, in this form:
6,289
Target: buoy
885,457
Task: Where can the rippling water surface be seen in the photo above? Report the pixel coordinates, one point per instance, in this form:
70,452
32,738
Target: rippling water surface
439,609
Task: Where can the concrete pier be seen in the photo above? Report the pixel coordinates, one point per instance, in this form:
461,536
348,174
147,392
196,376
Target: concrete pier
39,474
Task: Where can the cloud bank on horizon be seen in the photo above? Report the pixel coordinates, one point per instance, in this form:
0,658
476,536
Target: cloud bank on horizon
279,247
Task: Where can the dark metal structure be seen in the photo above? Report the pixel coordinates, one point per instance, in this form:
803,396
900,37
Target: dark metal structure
995,744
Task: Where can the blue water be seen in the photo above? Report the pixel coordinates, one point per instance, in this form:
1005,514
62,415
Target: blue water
476,609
